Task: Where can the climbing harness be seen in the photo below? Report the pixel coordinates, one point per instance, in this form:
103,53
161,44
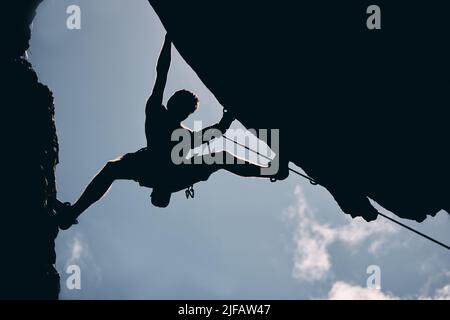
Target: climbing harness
314,182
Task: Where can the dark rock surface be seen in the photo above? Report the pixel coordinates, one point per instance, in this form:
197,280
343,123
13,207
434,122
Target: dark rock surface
28,159
363,112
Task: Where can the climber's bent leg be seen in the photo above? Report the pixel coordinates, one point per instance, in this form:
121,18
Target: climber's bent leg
354,203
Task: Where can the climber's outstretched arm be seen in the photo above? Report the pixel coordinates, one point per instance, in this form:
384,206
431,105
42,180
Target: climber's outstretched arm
154,103
162,69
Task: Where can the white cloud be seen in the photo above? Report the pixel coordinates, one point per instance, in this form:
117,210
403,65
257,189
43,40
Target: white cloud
77,250
344,291
440,294
443,293
312,239
376,245
313,261
80,253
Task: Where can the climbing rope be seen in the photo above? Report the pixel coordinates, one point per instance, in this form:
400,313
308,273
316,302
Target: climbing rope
314,182
415,231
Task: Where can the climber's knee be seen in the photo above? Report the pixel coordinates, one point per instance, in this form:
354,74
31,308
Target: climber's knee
111,167
116,169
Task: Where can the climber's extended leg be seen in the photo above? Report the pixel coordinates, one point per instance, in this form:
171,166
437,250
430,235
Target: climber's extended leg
243,169
99,186
124,168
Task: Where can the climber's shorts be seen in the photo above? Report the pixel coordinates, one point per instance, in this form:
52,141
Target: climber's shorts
151,170
140,167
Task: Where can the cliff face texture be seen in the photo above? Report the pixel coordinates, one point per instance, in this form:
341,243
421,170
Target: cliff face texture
364,112
29,152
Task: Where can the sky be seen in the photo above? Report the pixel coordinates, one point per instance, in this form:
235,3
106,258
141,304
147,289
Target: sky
239,238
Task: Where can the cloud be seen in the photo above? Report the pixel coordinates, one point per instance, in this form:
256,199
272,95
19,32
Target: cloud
443,293
312,239
440,294
76,250
345,291
374,247
79,250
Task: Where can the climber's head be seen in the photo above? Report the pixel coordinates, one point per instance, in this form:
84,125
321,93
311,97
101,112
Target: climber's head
182,104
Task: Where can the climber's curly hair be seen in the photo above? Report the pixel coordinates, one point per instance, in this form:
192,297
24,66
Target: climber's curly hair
183,99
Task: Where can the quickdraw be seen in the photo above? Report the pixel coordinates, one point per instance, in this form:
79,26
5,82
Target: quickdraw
190,192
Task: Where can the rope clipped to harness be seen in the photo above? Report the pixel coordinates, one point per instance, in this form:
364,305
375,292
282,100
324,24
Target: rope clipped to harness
190,192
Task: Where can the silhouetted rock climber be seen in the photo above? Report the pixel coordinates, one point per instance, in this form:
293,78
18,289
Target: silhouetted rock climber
153,166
